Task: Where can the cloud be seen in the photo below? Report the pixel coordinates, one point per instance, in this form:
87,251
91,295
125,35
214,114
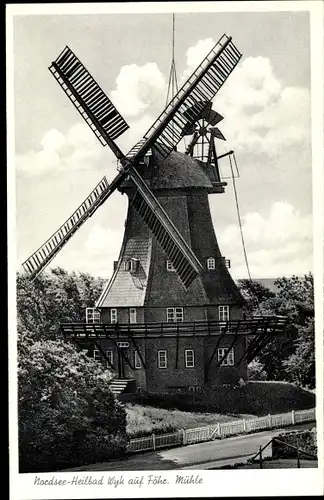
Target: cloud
138,88
278,243
103,241
196,54
77,150
261,114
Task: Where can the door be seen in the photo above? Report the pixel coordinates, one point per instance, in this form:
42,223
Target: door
132,315
122,349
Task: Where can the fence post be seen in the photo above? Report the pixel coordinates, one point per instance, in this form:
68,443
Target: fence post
184,437
261,465
270,422
244,425
298,458
292,417
153,437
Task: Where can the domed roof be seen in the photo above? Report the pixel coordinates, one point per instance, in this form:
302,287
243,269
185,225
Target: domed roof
178,171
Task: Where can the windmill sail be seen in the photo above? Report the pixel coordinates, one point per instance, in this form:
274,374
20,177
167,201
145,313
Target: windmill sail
191,99
43,256
172,243
89,99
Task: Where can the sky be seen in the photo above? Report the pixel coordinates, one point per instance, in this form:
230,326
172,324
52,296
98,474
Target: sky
266,107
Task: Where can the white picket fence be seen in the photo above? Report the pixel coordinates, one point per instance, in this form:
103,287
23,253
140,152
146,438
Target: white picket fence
218,431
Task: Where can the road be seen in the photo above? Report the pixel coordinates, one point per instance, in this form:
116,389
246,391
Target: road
206,455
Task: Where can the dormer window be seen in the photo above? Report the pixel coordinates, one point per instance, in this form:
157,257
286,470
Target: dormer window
227,262
210,263
169,266
131,265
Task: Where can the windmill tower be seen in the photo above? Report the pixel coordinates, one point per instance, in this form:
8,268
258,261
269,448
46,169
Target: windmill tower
170,317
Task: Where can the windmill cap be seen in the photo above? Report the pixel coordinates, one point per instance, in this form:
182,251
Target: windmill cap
179,171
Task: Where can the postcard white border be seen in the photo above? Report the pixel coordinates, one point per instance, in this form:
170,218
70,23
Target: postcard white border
215,483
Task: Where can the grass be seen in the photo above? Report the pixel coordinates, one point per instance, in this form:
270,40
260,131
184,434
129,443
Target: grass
144,420
161,413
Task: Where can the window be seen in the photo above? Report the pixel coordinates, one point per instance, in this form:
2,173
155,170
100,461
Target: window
92,315
133,265
96,355
110,358
169,266
227,263
229,358
123,344
190,358
223,313
132,315
162,359
174,314
137,360
211,263
113,315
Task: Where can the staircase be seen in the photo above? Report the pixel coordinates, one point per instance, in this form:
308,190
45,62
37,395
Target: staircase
119,385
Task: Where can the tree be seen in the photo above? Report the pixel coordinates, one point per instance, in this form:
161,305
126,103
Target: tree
254,294
300,366
290,356
54,297
67,414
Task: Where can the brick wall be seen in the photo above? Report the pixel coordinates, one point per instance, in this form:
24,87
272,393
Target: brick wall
176,374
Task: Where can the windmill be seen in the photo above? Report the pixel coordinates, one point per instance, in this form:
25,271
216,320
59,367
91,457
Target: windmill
171,302
107,124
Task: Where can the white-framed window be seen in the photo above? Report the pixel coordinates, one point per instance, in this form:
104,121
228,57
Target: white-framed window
113,315
132,315
123,344
92,315
190,358
133,265
229,358
162,359
169,266
223,313
96,355
210,263
174,314
110,357
137,360
227,263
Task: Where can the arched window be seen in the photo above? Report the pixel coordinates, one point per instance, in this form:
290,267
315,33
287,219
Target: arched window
210,263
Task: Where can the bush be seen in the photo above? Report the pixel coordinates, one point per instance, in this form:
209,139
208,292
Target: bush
306,440
67,414
257,398
256,371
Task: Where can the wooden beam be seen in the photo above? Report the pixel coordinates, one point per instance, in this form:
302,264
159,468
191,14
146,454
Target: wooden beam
177,352
213,354
103,354
120,350
139,353
228,350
